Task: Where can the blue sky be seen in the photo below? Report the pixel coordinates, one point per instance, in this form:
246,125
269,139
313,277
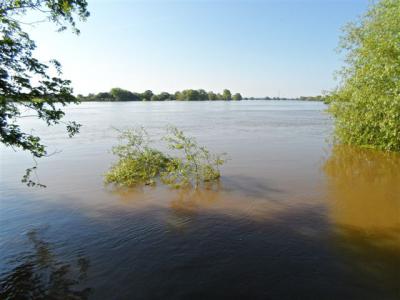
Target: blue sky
258,48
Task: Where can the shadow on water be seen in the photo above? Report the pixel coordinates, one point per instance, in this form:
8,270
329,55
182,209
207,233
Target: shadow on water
248,186
221,243
41,276
239,185
296,254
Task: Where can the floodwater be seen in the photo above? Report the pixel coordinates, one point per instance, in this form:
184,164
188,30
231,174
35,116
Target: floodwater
291,218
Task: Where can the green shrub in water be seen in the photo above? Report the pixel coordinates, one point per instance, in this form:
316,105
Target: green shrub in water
139,163
194,164
366,105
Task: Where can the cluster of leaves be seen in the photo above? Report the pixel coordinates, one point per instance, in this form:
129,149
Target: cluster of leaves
25,82
118,94
195,166
139,163
366,105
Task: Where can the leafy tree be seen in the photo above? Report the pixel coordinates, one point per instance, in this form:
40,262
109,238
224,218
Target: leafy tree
164,96
146,96
212,96
202,95
226,95
191,95
25,82
155,98
366,105
237,96
187,95
103,97
178,95
119,94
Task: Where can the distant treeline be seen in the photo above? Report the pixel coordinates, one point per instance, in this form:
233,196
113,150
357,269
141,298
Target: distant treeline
301,98
118,94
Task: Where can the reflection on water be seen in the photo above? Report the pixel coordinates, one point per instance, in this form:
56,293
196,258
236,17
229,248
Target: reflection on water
364,200
186,204
234,196
39,275
249,186
365,188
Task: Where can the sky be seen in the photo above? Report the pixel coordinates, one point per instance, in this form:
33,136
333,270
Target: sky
259,48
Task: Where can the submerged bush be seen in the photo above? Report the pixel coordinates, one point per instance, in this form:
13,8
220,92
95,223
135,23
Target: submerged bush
139,163
366,105
195,164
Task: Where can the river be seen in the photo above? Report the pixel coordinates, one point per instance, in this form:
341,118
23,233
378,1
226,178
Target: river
292,217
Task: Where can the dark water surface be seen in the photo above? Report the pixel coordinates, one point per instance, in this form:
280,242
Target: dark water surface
292,218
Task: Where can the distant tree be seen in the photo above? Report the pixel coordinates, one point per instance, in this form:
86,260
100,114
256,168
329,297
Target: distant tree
226,95
202,95
189,95
91,96
312,98
172,97
164,96
123,95
155,98
237,96
146,96
104,96
212,96
193,95
178,96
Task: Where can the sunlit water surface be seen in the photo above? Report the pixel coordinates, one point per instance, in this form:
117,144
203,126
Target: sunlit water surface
292,217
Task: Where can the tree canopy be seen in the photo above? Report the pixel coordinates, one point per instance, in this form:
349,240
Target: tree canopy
26,82
366,105
237,96
226,95
122,95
